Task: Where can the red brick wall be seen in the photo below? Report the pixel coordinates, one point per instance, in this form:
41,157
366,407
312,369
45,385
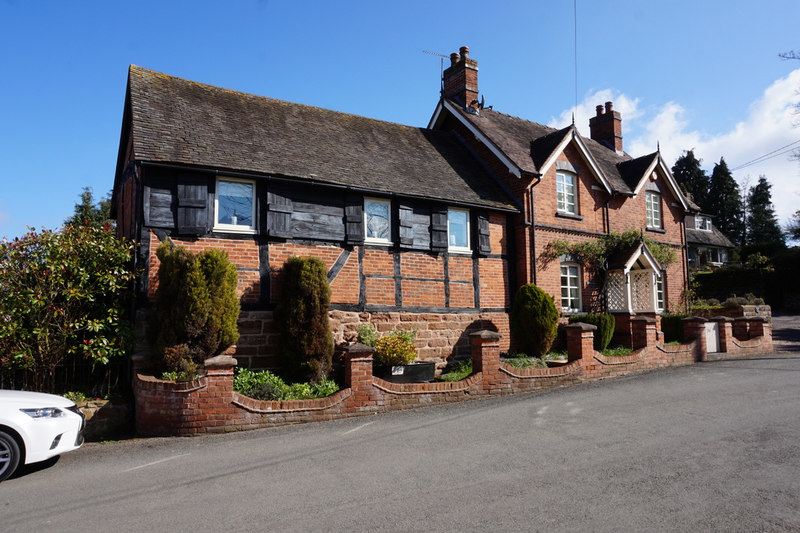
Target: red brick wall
242,252
209,405
591,202
426,280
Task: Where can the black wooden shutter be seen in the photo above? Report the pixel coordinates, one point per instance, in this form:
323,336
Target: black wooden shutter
354,219
158,206
439,228
405,217
279,215
484,247
193,209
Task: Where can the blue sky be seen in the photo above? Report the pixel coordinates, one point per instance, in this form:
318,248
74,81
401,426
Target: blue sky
685,74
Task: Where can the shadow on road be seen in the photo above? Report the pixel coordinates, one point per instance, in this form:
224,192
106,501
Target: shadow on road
24,470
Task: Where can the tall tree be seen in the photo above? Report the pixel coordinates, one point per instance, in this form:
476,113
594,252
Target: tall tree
793,229
91,213
692,178
762,224
725,203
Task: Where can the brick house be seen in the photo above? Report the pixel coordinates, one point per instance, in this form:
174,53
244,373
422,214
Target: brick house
426,228
573,188
412,227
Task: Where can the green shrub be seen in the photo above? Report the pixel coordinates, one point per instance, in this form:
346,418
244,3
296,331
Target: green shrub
63,298
457,371
605,327
264,385
306,342
672,326
533,320
367,334
396,348
195,311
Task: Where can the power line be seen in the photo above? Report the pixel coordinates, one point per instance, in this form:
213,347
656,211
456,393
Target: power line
575,36
775,153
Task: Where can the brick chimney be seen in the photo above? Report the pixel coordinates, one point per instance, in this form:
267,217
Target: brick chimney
460,79
606,127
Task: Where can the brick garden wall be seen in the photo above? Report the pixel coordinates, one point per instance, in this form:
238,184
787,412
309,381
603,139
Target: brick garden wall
209,405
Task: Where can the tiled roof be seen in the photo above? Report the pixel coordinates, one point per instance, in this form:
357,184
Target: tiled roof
714,237
529,144
632,171
174,120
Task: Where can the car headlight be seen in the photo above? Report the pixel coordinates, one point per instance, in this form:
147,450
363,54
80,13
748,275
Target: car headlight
43,412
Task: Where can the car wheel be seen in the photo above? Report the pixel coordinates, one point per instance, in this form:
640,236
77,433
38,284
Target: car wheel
9,455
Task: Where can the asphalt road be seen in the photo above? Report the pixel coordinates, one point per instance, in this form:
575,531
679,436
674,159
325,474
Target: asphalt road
711,447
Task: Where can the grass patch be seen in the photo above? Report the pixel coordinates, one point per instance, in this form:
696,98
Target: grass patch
521,360
618,351
555,355
457,371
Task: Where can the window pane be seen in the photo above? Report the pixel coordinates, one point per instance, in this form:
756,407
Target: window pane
235,203
457,224
565,193
377,226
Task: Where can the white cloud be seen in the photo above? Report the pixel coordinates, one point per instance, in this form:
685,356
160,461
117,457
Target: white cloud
768,124
627,106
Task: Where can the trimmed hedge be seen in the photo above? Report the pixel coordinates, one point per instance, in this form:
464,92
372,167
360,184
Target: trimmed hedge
196,310
306,342
605,327
672,326
533,320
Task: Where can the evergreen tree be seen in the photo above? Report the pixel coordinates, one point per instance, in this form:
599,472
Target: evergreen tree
725,203
793,229
762,224
692,179
87,213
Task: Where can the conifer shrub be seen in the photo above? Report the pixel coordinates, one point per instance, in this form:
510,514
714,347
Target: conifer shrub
533,320
306,342
196,309
605,327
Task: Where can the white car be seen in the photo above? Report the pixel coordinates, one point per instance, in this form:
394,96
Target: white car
36,426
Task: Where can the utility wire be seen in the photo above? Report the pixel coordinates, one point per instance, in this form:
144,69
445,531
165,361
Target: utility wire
775,153
575,44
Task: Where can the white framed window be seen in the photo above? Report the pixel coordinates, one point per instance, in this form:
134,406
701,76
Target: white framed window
458,230
566,199
377,221
235,205
702,223
571,288
653,209
660,300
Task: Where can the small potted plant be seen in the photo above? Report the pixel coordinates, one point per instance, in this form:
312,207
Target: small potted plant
395,356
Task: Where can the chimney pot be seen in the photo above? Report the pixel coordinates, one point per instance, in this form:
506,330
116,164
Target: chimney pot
460,79
606,127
